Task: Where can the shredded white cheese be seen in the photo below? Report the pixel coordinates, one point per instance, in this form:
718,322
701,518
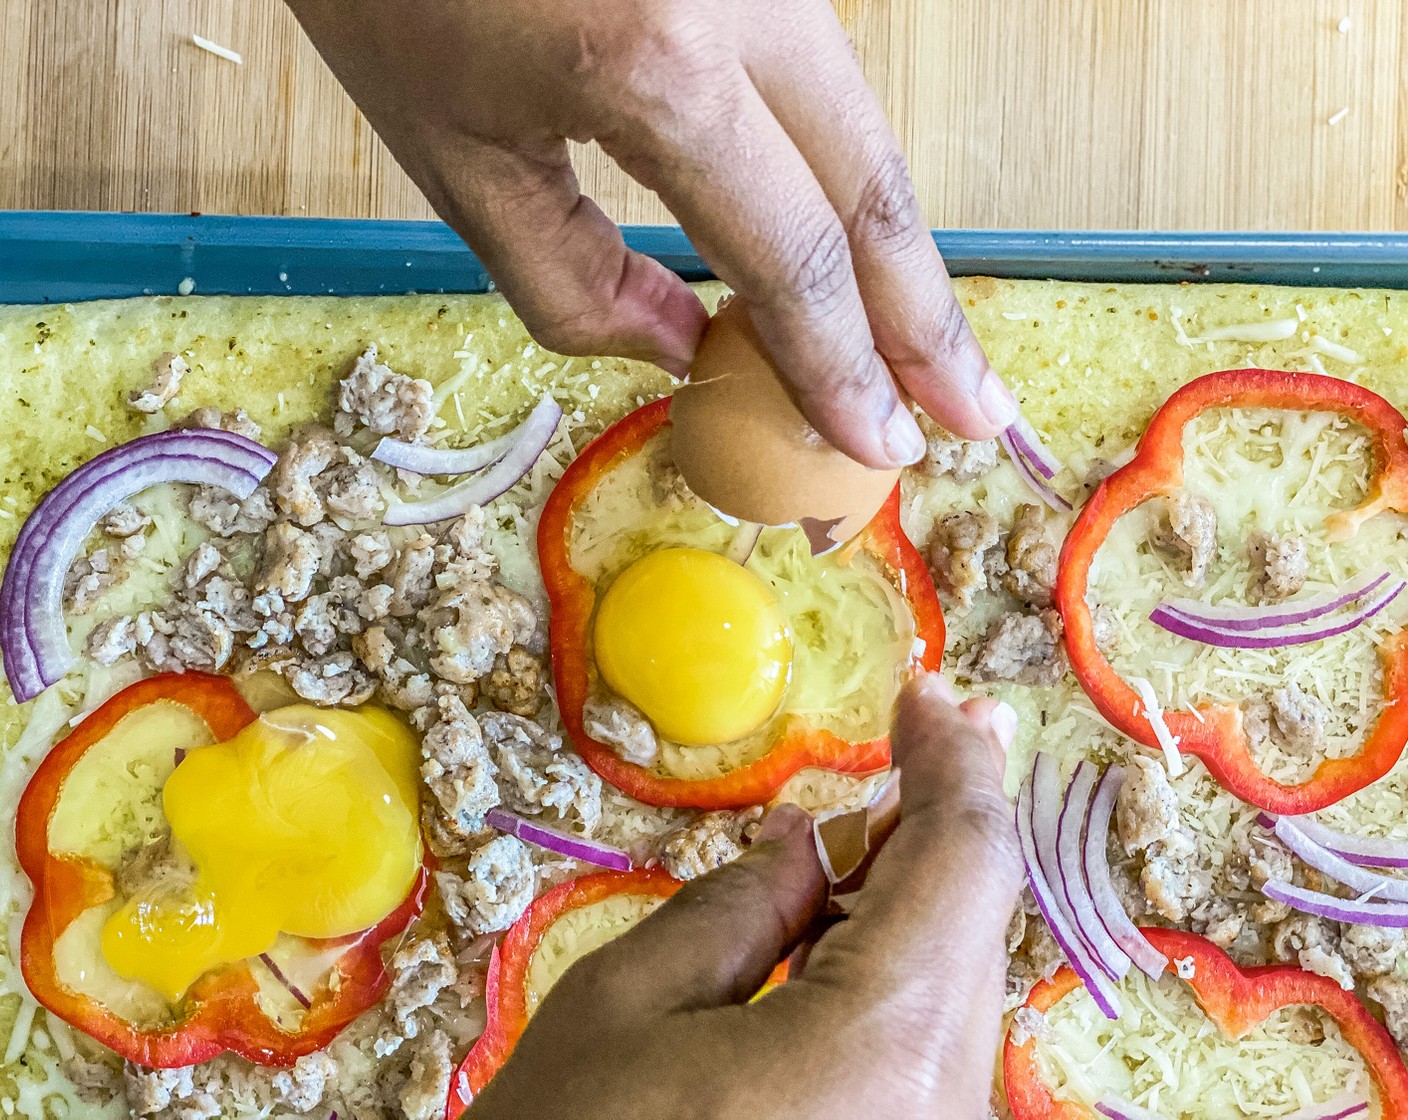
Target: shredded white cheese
1335,118
216,49
1272,330
1166,1056
1168,742
1187,968
1322,345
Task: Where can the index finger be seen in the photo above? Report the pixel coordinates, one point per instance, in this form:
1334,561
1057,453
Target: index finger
929,923
758,216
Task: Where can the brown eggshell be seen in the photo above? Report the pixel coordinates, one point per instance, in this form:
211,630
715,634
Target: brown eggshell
743,446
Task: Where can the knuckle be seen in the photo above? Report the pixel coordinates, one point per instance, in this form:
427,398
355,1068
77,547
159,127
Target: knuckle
887,211
820,273
951,329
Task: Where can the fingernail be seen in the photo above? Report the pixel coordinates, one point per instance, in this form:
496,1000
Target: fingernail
782,821
904,442
996,400
1004,724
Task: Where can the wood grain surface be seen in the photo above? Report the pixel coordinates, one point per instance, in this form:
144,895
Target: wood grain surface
1154,114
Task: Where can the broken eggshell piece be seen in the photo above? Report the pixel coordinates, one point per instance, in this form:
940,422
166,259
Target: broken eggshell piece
847,840
745,448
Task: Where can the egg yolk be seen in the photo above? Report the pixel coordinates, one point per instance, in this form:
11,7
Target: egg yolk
696,642
304,823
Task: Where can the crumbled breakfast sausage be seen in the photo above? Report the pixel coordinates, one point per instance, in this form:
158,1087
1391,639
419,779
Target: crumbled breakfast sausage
187,635
155,869
496,888
1184,527
295,480
1279,565
110,641
421,969
1391,993
618,723
471,623
150,1091
403,685
1024,648
1031,557
1312,943
1220,922
964,459
457,767
124,520
1300,720
303,1086
432,1063
291,558
337,679
352,491
515,683
202,563
411,576
707,842
226,516
370,553
90,577
536,774
167,372
1146,810
389,403
1174,879
208,416
1372,950
959,551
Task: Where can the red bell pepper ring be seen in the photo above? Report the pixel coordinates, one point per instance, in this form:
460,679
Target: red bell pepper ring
1235,1000
1215,733
220,1011
506,990
573,598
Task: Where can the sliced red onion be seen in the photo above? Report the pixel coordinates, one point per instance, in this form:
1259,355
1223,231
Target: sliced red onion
1117,1108
33,635
1337,867
1276,637
1097,875
1032,476
573,847
285,981
1242,616
443,460
1392,915
1364,851
1028,444
1101,990
531,440
1345,1106
1075,891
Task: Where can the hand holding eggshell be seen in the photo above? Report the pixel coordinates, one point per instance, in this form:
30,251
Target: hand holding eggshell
745,448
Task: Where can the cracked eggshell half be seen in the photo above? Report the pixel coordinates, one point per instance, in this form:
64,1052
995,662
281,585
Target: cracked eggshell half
745,448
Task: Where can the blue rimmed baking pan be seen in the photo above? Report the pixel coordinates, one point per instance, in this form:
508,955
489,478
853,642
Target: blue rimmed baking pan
52,256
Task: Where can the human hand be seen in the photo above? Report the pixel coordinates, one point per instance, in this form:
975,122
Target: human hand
754,125
896,1012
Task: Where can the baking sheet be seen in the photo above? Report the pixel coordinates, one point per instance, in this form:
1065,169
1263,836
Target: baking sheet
48,256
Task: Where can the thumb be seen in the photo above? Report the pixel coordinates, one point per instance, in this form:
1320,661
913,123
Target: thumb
717,940
941,891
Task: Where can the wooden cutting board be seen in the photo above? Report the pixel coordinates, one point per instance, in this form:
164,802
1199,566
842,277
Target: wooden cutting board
1156,114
